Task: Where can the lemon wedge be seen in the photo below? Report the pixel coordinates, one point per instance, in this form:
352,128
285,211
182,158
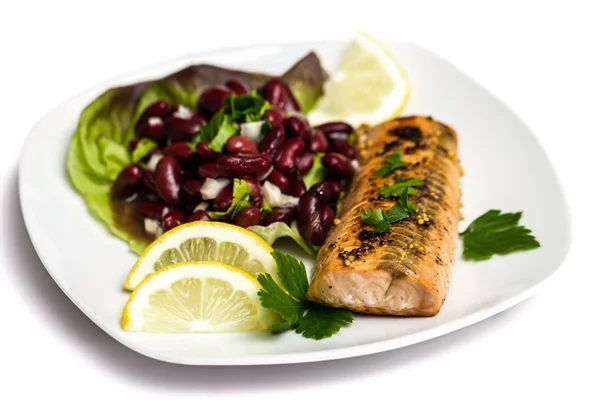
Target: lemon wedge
369,86
198,296
205,241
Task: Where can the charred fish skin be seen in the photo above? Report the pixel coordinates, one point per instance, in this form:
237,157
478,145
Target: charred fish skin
405,271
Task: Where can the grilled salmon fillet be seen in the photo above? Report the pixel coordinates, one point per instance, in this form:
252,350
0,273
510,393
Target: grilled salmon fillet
405,271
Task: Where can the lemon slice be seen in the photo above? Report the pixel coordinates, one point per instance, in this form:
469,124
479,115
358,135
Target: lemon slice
368,87
197,296
205,241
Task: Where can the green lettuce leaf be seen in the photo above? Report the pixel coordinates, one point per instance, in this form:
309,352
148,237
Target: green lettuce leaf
143,148
99,149
278,230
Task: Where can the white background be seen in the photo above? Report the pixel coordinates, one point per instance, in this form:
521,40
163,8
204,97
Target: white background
540,58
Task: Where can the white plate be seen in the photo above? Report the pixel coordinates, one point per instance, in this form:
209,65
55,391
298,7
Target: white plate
505,168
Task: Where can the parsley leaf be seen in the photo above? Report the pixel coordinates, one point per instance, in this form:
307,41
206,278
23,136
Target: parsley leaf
292,274
375,218
241,200
312,321
249,107
381,220
220,128
275,298
396,189
316,173
391,162
322,322
496,233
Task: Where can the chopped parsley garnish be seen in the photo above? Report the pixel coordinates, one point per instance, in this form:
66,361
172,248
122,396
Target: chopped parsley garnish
220,128
381,220
310,320
223,125
241,201
250,107
398,187
391,162
496,233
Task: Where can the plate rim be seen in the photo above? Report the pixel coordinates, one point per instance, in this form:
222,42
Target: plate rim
303,356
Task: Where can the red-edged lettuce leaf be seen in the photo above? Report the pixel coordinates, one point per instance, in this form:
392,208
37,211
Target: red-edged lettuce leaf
99,147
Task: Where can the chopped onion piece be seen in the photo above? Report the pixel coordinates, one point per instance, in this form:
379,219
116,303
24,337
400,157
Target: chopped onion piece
154,121
151,226
275,198
355,164
251,130
203,205
183,112
212,187
153,162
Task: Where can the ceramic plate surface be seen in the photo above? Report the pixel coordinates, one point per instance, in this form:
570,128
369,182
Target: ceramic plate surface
505,168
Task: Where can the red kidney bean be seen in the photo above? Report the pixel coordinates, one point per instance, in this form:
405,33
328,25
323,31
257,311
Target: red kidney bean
133,144
248,217
205,152
278,93
168,180
180,151
342,147
318,142
155,132
181,130
274,116
297,125
290,151
241,165
238,85
335,188
338,166
199,215
160,109
173,219
297,186
208,170
200,119
322,191
311,224
327,215
273,140
128,181
305,162
192,187
279,179
256,197
335,127
148,180
240,144
279,214
213,98
153,210
224,198
274,92
291,104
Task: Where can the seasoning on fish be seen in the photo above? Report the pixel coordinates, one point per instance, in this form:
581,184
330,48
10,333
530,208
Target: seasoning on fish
406,270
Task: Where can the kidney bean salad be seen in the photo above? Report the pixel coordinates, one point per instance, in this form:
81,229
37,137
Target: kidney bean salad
213,144
243,156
